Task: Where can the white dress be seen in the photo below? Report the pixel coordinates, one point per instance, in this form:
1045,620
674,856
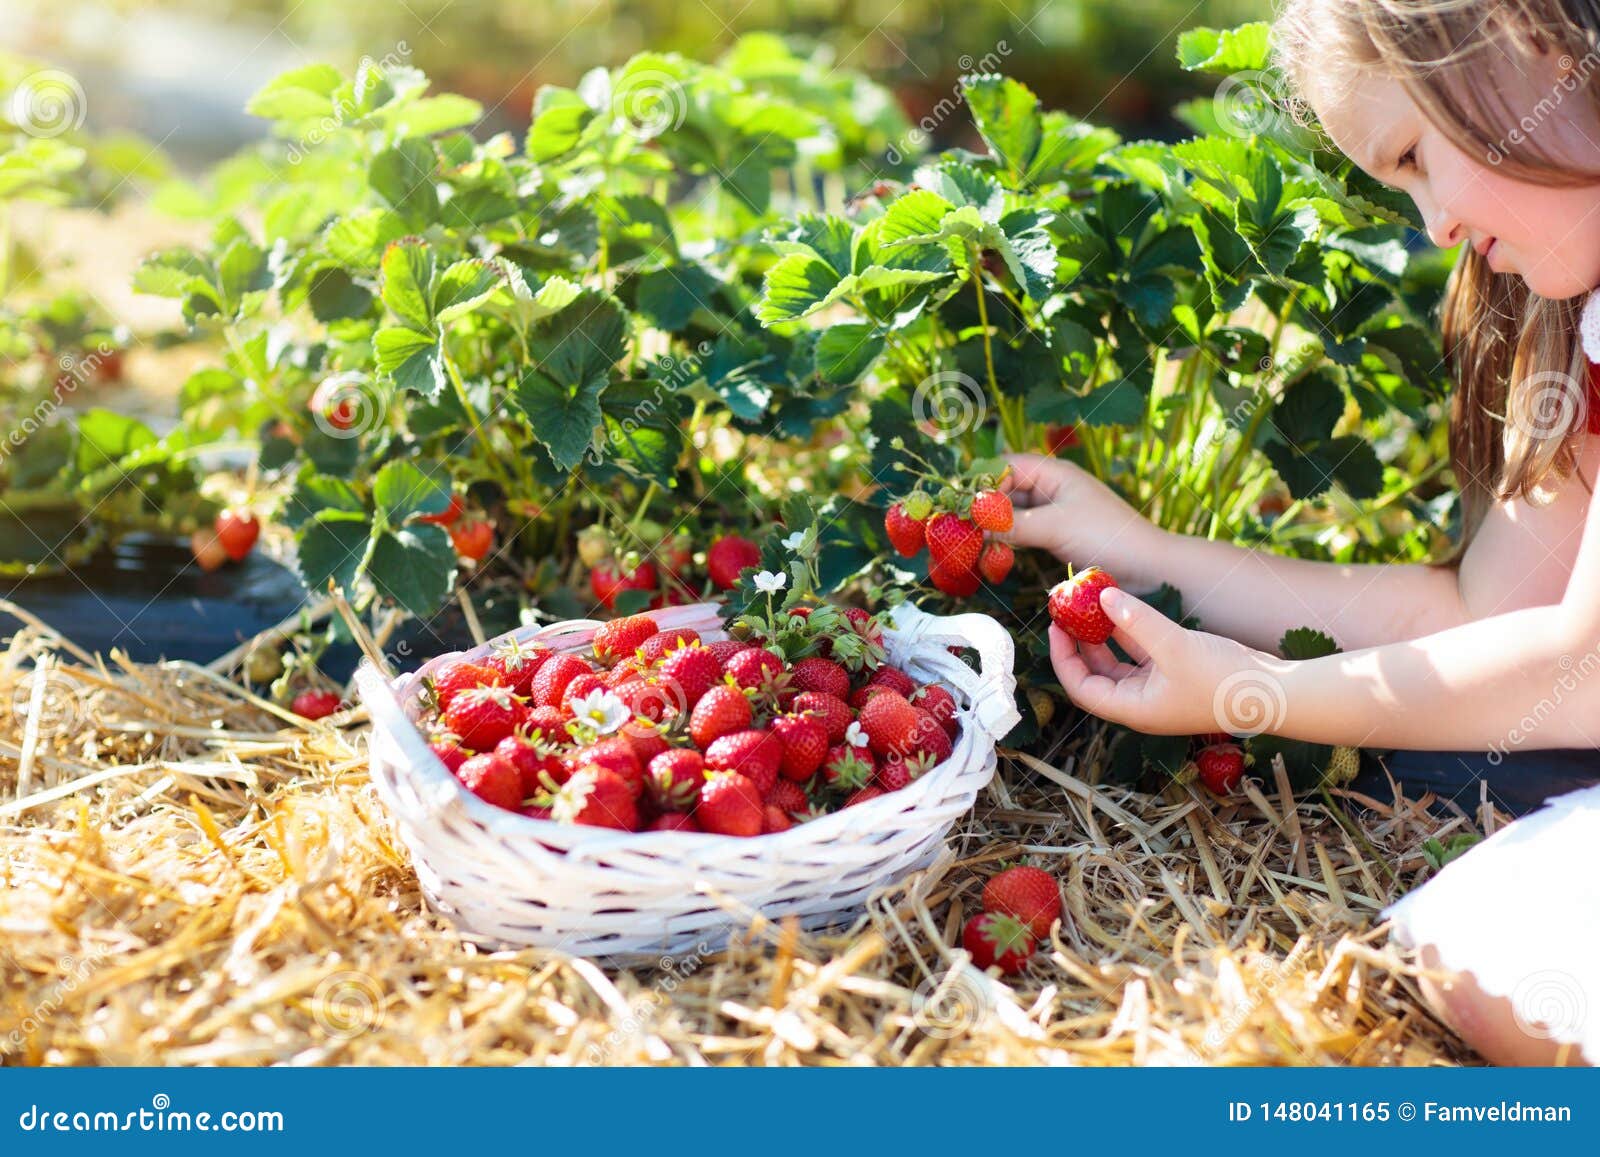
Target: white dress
1521,912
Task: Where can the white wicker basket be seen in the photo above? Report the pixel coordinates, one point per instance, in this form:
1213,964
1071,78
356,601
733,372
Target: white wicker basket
507,879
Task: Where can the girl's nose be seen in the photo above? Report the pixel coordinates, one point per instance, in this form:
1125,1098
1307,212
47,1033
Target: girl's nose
1444,230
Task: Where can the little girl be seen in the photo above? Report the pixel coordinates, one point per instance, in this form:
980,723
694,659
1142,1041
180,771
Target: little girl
1487,114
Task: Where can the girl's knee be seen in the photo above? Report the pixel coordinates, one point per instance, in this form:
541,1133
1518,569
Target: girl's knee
1489,1024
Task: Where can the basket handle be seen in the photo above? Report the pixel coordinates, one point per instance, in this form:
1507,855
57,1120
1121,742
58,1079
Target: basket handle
920,640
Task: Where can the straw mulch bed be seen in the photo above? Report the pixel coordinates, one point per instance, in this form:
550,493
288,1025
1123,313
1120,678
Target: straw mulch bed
192,876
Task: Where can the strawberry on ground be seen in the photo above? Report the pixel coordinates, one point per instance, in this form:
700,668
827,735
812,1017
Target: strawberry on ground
492,780
726,557
995,939
316,704
730,805
598,798
1028,894
1075,605
1221,767
722,710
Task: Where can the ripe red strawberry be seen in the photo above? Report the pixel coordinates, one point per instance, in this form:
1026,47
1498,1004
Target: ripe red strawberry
995,939
1030,895
774,820
871,791
449,750
483,716
805,743
957,583
1075,605
606,582
847,768
726,649
928,739
673,779
550,724
584,684
461,675
650,698
991,511
517,664
788,795
898,771
316,704
815,673
472,539
756,755
937,702
237,530
533,760
656,647
890,723
995,563
831,711
905,533
673,822
492,780
861,696
621,637
694,669
550,683
448,516
535,812
721,711
730,805
727,557
753,667
953,542
598,798
616,755
894,679
1221,767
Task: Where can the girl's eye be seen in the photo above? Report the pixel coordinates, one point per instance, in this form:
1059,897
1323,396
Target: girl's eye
1408,159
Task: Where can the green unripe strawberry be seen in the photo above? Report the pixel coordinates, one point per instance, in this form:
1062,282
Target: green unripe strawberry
918,505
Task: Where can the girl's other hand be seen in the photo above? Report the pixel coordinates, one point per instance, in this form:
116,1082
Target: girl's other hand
1067,511
1184,683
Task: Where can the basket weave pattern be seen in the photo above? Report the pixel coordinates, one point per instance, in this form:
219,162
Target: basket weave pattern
508,879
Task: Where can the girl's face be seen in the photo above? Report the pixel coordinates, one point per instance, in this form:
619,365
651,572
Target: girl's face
1547,235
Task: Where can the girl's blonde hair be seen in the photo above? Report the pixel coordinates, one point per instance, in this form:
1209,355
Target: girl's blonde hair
1512,351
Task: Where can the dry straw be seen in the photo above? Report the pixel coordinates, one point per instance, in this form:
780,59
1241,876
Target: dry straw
192,876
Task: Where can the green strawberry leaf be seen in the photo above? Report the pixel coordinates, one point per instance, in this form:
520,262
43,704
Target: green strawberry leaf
415,566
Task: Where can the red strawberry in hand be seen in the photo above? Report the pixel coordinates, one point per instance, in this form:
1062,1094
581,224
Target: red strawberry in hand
1075,605
994,939
991,510
1024,893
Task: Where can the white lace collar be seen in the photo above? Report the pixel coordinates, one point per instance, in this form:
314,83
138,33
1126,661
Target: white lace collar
1589,326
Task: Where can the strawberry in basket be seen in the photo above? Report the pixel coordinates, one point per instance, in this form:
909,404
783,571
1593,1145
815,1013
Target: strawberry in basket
796,715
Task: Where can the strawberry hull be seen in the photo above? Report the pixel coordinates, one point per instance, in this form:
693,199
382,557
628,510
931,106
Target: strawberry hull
513,879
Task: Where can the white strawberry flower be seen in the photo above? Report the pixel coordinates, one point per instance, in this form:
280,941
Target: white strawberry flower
854,735
770,582
602,710
795,540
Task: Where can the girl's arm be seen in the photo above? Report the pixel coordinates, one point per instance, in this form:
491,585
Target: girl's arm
1528,678
1244,594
